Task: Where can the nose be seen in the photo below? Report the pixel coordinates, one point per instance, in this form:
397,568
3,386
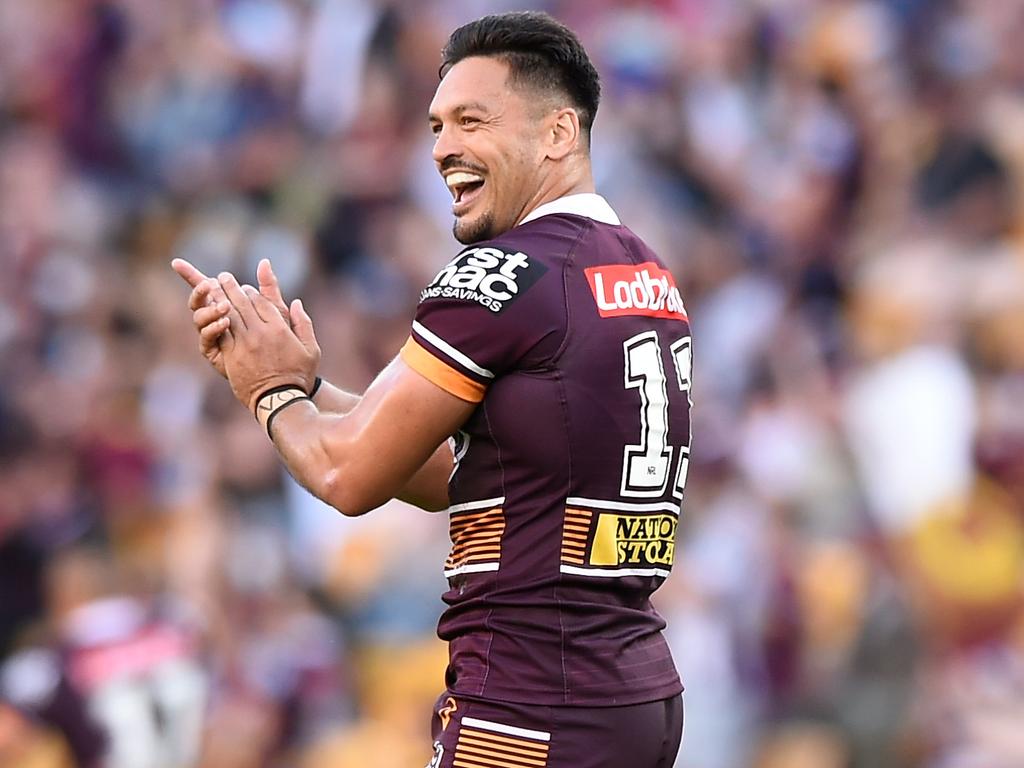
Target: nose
446,145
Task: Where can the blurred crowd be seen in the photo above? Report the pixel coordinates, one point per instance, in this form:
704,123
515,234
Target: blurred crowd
838,186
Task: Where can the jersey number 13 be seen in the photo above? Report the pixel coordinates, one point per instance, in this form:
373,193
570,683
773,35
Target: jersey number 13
647,465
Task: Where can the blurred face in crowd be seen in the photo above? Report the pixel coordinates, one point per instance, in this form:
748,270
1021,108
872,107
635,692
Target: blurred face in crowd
489,146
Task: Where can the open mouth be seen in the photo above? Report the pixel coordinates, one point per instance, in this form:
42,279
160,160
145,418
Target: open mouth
465,188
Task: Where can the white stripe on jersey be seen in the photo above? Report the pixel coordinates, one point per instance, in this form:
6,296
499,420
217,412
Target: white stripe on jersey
497,501
624,506
605,573
511,730
449,350
471,568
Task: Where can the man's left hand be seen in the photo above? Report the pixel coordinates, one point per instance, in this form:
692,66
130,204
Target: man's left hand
261,351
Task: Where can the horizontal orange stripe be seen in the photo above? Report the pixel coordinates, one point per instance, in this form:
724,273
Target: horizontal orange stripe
510,751
464,515
488,736
493,527
467,761
483,517
479,750
573,511
464,749
476,544
476,558
461,525
492,549
476,541
573,538
576,527
478,538
440,373
573,560
573,549
475,538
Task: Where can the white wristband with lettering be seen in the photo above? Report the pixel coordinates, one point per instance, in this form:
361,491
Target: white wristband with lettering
275,400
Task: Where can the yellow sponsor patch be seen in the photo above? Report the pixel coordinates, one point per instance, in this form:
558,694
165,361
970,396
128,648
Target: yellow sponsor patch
644,540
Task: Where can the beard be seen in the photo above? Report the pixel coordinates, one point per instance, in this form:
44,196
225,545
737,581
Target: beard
480,228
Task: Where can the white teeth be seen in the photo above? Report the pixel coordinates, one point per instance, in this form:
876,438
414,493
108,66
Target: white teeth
461,177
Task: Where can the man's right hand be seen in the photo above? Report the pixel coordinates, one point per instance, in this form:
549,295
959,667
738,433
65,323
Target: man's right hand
210,306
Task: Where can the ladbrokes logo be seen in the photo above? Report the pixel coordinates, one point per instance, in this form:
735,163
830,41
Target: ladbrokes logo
635,289
489,276
634,540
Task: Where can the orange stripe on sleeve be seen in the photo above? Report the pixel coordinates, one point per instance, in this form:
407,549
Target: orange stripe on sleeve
440,373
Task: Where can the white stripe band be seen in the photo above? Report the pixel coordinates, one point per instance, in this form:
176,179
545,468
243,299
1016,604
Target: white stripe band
454,509
625,506
471,568
449,350
511,730
603,573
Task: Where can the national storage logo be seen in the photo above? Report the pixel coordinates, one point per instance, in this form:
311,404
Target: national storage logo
488,276
635,289
634,540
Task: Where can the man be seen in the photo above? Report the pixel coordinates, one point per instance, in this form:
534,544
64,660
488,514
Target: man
556,350
120,681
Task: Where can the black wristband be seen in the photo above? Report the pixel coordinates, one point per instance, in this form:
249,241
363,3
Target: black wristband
316,387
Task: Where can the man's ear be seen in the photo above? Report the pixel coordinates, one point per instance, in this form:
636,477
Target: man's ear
565,133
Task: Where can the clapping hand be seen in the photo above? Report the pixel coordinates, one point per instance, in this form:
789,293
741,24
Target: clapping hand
210,306
266,349
249,336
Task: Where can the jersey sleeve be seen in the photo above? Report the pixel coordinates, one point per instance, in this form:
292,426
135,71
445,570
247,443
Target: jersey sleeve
492,309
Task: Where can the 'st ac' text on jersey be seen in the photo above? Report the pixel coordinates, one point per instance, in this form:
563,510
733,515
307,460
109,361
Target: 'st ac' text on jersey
571,334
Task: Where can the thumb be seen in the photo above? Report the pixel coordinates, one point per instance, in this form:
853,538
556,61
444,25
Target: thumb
269,287
302,324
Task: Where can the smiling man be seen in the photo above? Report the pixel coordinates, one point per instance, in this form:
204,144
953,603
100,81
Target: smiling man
553,356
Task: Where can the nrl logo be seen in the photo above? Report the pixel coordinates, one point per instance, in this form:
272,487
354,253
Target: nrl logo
489,276
435,761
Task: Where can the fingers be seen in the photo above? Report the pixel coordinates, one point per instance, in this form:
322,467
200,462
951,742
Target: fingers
265,309
270,289
241,312
188,272
200,295
211,333
302,325
212,315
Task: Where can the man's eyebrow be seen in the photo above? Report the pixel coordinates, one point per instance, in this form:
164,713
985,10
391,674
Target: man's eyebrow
469,106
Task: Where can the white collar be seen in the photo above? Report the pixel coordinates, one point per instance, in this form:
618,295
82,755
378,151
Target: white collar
587,204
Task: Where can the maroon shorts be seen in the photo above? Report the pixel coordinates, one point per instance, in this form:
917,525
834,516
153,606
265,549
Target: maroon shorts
469,733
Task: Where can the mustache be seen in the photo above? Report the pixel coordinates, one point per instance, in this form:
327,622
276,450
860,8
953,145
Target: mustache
452,163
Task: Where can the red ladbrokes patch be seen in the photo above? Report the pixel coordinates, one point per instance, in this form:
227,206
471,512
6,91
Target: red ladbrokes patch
635,289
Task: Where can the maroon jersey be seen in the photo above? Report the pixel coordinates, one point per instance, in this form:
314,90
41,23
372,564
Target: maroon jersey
570,333
124,687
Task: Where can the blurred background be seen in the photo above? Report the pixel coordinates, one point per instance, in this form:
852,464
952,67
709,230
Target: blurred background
838,186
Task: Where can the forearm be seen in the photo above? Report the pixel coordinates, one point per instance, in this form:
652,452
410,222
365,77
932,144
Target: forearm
319,465
330,399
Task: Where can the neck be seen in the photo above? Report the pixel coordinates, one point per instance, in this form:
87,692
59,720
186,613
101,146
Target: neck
555,186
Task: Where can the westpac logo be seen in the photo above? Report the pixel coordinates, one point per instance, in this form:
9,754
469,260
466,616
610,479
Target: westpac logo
489,276
635,289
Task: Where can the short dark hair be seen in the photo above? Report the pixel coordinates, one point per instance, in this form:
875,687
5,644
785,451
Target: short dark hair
539,51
